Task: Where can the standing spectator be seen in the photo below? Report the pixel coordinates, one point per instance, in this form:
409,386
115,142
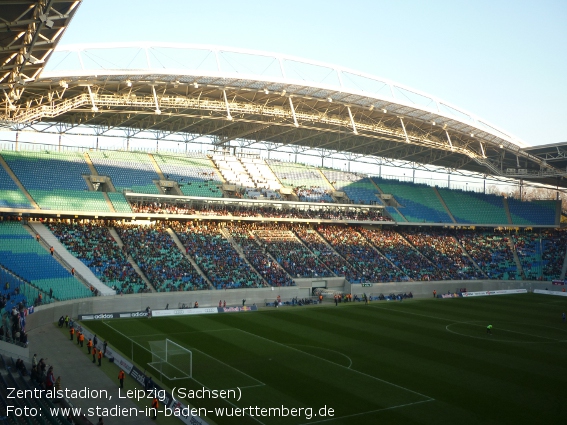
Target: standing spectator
121,378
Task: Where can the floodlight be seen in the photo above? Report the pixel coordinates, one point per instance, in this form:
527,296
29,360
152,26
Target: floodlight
64,84
129,83
371,107
283,92
383,110
329,99
195,85
157,112
266,91
94,109
432,122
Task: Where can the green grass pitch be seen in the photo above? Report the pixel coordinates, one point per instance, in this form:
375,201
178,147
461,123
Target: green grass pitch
414,362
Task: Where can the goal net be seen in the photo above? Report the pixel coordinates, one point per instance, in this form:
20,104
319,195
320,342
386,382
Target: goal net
171,360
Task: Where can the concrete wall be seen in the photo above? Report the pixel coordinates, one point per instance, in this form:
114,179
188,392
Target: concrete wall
11,350
157,301
425,289
136,302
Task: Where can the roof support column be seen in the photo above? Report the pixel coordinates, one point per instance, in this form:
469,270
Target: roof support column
94,108
157,111
295,123
449,140
228,116
404,127
482,150
354,125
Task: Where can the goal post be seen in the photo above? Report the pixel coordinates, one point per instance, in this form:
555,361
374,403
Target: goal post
171,360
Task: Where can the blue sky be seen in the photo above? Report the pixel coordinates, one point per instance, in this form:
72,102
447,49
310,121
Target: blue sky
502,60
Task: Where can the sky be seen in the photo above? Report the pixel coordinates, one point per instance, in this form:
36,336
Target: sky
502,60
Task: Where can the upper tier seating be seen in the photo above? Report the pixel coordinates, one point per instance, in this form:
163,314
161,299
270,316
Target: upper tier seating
131,171
307,181
534,212
195,174
24,256
477,208
70,200
119,202
360,190
48,170
419,203
10,195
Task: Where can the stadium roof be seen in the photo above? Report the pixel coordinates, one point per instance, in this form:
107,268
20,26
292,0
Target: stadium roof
264,99
29,32
554,154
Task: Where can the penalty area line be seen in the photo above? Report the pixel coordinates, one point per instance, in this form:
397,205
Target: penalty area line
339,365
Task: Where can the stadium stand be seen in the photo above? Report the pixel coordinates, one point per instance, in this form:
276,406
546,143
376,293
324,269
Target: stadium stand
19,250
256,254
492,253
10,195
402,254
360,190
418,202
368,264
216,256
535,212
289,252
321,249
194,173
93,244
159,258
554,247
442,249
119,202
307,182
129,171
474,208
55,180
529,249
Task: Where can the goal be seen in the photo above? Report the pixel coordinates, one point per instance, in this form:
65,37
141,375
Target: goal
171,360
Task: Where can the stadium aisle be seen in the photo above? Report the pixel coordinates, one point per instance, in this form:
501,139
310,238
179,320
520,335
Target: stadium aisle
77,371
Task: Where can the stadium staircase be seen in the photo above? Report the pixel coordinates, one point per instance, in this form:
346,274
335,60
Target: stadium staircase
181,248
68,260
240,251
515,254
135,266
472,260
156,167
507,210
444,204
18,183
